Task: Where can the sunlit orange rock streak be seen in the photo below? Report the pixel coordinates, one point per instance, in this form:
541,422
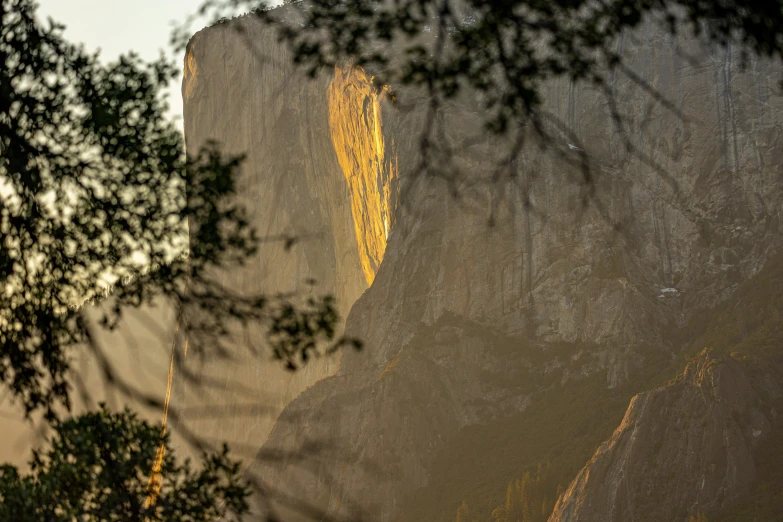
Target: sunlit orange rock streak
355,125
356,129
190,75
156,478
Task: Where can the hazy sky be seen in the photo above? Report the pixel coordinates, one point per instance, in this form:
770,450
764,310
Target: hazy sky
117,26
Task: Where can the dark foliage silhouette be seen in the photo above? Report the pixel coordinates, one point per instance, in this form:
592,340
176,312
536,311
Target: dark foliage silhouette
500,55
99,204
94,195
98,466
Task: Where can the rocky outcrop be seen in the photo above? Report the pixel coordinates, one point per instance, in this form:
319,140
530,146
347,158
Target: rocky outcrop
461,317
684,448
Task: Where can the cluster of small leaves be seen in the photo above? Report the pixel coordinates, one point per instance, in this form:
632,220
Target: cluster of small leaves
505,49
97,469
296,333
97,196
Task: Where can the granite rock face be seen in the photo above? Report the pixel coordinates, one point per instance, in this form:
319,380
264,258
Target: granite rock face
458,310
681,449
252,101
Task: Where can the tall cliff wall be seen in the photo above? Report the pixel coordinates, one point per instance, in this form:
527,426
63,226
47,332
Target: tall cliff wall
316,168
464,324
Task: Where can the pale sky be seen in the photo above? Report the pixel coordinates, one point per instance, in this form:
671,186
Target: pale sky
117,26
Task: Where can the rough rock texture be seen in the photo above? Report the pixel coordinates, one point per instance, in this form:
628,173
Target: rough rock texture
458,310
252,101
681,449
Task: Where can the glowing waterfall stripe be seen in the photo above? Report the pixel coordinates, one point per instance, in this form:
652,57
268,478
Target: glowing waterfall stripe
156,478
356,130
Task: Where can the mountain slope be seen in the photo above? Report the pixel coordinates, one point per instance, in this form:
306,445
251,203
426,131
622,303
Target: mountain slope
683,448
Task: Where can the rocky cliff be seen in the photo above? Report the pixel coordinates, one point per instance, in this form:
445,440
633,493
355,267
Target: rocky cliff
467,324
689,443
251,100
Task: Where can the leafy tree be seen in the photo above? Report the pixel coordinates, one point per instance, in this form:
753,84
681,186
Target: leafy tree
526,499
98,468
463,513
97,193
546,508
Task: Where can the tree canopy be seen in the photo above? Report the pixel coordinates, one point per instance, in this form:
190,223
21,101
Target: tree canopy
97,196
99,467
505,49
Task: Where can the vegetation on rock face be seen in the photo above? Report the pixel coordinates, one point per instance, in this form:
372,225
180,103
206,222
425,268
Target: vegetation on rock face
566,423
747,326
527,500
97,468
562,426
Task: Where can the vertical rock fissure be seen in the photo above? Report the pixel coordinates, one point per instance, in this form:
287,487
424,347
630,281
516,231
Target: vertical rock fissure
730,108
